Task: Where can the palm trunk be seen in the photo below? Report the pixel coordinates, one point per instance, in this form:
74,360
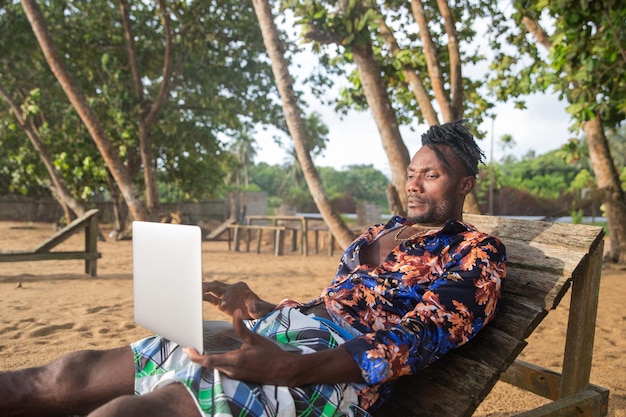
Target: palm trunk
384,116
337,227
607,178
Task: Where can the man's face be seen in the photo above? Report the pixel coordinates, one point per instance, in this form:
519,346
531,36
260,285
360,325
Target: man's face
435,190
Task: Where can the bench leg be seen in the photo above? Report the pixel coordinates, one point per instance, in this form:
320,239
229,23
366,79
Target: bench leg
91,246
236,239
294,236
259,235
248,237
279,242
581,326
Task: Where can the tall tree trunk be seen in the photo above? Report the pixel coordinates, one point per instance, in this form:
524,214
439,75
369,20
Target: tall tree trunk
457,103
432,61
337,227
602,166
412,78
607,178
119,209
131,193
151,110
384,116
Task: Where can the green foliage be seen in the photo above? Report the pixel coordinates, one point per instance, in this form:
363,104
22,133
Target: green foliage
357,183
586,61
363,183
334,31
221,84
546,176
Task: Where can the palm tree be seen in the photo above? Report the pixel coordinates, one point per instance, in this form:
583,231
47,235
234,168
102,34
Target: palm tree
295,124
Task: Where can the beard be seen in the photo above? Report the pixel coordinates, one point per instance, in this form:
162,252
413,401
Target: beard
430,213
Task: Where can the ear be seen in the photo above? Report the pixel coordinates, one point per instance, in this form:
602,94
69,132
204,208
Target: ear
467,184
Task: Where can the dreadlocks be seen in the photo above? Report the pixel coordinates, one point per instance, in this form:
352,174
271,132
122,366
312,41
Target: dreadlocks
458,137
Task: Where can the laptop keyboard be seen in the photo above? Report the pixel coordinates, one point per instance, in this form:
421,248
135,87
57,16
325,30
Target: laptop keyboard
219,342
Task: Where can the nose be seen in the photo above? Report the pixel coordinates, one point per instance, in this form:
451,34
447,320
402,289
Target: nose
413,184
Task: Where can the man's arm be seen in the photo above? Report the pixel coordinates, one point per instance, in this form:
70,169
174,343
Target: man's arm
262,361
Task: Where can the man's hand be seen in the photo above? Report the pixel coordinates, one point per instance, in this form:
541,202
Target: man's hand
260,360
230,297
257,360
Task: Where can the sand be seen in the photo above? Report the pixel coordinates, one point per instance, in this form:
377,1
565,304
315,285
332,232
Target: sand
49,308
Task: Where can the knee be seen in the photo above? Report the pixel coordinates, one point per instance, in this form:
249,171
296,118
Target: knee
92,374
70,372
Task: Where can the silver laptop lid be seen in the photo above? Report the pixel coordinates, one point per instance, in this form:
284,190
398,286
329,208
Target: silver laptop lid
167,280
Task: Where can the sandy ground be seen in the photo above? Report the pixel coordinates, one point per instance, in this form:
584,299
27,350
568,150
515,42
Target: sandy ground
48,308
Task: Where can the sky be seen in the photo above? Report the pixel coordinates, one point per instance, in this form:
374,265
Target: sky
354,140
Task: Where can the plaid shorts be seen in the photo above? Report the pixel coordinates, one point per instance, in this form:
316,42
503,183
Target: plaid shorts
159,362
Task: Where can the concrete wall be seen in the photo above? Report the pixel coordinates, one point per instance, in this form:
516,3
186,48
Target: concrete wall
18,208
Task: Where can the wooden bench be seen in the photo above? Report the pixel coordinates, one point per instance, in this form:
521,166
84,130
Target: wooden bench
278,238
88,222
544,260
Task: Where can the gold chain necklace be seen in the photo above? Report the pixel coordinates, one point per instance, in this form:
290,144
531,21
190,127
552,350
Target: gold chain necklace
422,232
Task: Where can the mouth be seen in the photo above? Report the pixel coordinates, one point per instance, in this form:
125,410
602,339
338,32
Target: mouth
415,201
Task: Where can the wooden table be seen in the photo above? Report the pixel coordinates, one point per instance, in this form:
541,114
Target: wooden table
304,228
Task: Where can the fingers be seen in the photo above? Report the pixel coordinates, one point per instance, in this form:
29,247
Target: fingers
213,292
196,357
241,329
215,287
225,361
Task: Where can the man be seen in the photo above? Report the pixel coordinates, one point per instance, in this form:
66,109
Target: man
405,293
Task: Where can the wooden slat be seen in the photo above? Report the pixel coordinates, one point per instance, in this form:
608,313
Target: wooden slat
533,378
66,232
486,356
47,256
492,346
88,222
592,402
542,257
539,287
565,235
517,318
442,389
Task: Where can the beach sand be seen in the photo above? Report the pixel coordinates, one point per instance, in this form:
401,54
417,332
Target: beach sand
49,308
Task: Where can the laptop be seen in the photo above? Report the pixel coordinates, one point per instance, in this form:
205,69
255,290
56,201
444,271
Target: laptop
167,285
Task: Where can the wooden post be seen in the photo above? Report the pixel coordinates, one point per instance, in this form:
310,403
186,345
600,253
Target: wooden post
305,237
581,325
279,242
91,246
248,237
259,235
236,239
294,240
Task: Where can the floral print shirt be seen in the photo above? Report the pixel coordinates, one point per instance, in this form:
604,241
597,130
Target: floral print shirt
431,294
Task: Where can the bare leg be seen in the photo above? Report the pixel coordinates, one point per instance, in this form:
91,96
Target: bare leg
172,400
76,383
